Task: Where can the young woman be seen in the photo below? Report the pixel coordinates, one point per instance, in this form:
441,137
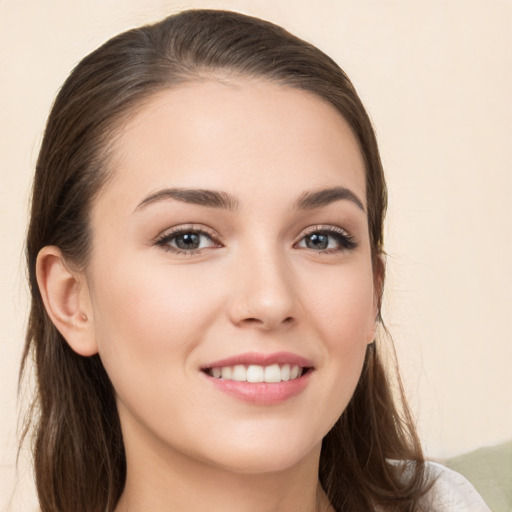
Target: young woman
206,264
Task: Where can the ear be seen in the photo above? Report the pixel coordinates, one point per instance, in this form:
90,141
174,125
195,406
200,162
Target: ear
66,299
379,271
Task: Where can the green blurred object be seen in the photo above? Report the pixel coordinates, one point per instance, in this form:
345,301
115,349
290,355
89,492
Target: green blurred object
490,471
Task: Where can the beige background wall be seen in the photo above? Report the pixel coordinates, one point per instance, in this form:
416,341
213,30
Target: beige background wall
436,76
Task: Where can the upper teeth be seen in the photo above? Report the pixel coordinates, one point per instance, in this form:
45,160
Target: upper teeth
256,373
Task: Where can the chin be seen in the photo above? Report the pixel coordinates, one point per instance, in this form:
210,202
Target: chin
265,454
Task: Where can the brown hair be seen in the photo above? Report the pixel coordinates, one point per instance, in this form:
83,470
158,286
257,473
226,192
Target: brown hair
78,449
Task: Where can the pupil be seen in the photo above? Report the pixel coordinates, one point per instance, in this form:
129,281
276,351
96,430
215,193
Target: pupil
188,241
318,241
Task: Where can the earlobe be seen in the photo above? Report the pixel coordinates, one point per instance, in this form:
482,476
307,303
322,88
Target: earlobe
66,300
370,338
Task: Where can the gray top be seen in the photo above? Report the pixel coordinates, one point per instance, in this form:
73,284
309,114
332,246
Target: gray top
452,493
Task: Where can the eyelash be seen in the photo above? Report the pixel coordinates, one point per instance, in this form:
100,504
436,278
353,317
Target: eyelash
345,241
164,240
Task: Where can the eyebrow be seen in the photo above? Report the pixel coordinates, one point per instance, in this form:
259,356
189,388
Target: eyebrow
209,198
225,201
311,200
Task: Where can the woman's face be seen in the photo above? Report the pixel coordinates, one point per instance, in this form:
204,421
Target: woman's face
230,245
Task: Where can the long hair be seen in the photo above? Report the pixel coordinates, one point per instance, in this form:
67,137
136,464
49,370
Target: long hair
78,451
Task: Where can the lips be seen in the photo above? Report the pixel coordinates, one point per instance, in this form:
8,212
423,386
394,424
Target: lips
257,358
260,378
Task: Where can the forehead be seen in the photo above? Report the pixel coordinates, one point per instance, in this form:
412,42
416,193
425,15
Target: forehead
237,133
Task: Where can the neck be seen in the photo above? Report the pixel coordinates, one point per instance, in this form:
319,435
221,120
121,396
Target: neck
163,480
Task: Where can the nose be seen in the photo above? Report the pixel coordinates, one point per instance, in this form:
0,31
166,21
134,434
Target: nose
264,292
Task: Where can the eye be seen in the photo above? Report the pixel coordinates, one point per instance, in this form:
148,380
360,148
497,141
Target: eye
327,240
187,240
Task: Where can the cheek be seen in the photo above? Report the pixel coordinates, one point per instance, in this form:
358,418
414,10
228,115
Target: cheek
147,321
343,309
344,316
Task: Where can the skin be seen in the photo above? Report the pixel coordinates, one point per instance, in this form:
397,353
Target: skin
254,285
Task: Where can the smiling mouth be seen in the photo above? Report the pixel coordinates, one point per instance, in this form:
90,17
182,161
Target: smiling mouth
261,379
254,373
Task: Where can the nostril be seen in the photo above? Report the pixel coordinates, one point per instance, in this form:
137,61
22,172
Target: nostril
268,324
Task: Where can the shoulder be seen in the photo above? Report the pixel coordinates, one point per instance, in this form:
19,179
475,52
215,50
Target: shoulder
451,492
